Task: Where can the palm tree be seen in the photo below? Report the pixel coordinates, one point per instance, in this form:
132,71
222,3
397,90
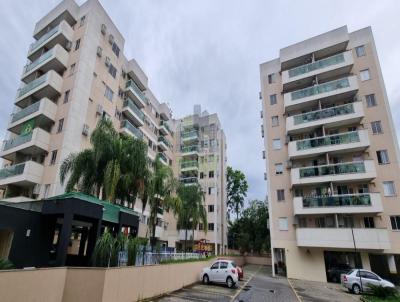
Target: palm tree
192,211
159,194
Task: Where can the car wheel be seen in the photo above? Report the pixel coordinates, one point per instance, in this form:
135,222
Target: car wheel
206,280
356,289
229,282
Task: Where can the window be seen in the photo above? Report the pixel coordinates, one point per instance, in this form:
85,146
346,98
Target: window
210,208
223,265
60,125
376,127
272,99
109,94
278,168
364,75
280,194
112,70
383,157
369,222
66,96
263,154
201,227
215,265
210,190
275,121
77,44
370,99
201,175
360,51
283,224
271,78
276,144
388,188
395,222
72,69
53,157
211,174
211,226
82,22
115,49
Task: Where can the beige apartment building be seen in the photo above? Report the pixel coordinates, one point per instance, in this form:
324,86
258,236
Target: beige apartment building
201,158
332,158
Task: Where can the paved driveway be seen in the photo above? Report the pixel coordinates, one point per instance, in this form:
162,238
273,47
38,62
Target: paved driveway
258,285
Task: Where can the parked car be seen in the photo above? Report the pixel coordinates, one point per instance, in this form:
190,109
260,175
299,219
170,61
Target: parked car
221,271
358,280
335,272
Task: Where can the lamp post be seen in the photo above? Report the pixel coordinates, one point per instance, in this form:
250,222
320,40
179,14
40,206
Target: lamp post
355,255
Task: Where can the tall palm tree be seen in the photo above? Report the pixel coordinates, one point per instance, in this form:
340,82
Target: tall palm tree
160,188
193,210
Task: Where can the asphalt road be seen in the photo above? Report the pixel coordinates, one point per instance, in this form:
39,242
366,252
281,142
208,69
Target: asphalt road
258,285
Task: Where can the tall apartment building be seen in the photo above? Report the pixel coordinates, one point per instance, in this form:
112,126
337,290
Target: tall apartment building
202,159
77,74
332,158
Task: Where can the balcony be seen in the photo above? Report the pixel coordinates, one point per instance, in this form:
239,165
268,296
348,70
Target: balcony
54,59
368,239
163,158
163,143
164,128
44,112
129,129
159,231
339,204
341,88
332,66
48,85
190,150
189,136
189,165
330,117
189,235
353,141
33,143
61,34
131,111
136,94
342,172
189,180
23,174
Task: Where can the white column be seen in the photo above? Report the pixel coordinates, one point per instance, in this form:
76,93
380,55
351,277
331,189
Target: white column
392,264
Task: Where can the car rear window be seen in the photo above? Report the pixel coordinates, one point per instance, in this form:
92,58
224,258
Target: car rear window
233,264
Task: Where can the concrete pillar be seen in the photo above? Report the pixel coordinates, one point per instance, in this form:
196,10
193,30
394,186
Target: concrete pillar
365,261
63,242
392,264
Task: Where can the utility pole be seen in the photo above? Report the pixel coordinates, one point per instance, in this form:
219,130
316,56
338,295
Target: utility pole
355,255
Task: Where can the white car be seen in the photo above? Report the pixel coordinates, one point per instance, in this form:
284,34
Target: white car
221,271
358,280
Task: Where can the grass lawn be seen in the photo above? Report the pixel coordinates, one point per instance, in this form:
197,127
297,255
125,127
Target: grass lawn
367,298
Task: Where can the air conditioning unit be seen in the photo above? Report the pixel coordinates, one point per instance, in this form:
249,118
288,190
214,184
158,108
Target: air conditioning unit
36,189
99,110
107,61
99,51
111,39
68,46
103,29
85,130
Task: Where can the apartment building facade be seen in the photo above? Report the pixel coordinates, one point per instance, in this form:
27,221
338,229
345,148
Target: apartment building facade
332,158
77,74
201,159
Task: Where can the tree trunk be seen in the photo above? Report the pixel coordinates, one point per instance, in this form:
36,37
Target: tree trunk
192,240
153,236
185,240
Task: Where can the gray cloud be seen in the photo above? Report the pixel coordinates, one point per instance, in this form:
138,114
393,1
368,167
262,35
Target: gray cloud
208,52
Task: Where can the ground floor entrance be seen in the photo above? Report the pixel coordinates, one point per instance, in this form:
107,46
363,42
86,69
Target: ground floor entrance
337,263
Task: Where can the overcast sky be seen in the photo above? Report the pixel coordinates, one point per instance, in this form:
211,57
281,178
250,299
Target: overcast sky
208,52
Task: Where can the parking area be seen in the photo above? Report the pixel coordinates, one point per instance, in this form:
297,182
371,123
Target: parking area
258,285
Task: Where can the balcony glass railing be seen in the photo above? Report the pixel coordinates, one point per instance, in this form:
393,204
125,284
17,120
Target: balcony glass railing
189,149
165,124
44,38
17,141
162,139
32,85
25,112
130,104
11,171
189,164
163,157
324,113
336,139
131,84
318,89
189,134
337,200
39,61
188,180
336,59
342,168
136,132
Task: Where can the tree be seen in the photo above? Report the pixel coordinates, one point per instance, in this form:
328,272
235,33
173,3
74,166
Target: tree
160,189
236,190
192,211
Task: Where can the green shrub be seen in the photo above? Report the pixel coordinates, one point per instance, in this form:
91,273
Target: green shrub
133,248
104,250
382,292
5,264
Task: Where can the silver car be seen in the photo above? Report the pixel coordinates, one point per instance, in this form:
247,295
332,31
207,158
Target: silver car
359,280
